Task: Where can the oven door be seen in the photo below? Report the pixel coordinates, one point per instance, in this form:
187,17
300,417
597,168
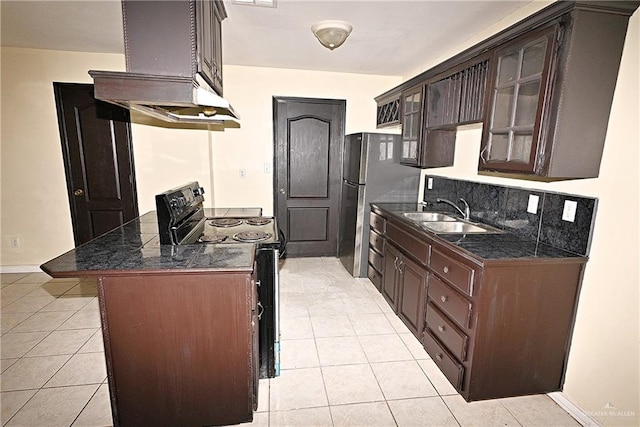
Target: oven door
269,314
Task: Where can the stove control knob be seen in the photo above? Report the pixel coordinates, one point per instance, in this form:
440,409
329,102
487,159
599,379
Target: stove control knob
198,191
173,203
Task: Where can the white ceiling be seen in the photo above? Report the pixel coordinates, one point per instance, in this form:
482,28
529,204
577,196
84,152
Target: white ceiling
391,37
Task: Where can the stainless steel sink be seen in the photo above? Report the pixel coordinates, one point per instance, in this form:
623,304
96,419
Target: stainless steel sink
428,216
459,227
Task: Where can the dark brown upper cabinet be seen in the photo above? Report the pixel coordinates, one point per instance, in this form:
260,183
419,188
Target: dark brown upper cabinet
388,111
542,88
210,15
411,125
520,79
423,147
551,95
458,98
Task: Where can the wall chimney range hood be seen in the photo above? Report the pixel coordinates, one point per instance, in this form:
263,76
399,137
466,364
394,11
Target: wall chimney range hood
173,62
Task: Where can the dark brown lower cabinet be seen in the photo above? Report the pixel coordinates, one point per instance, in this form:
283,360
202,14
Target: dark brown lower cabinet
390,288
181,349
404,287
411,304
375,268
495,328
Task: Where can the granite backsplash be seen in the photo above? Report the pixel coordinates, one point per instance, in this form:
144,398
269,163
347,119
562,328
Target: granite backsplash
506,208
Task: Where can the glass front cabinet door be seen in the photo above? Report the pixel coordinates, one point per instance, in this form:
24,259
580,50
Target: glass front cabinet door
411,125
519,86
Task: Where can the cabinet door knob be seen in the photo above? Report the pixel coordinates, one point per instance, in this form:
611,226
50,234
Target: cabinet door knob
444,298
281,191
445,269
78,192
441,328
438,356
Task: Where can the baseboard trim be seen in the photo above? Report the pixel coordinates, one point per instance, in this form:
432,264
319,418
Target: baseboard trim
574,410
20,269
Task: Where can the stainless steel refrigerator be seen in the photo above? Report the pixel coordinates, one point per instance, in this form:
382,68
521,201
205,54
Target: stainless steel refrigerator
371,172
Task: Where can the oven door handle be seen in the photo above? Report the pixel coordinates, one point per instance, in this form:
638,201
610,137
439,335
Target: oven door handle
260,310
283,244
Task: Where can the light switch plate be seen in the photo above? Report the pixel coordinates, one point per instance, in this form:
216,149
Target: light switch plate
569,212
429,183
242,173
532,207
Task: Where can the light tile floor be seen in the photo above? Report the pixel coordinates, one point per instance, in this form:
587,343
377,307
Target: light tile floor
347,360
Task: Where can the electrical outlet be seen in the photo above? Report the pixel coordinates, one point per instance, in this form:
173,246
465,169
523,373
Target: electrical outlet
532,206
569,211
14,242
267,168
429,183
243,174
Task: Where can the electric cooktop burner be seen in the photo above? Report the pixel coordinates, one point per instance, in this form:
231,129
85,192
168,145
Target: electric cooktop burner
214,238
257,221
251,236
226,222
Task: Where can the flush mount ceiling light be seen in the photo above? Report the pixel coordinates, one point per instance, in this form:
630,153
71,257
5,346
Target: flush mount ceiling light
331,33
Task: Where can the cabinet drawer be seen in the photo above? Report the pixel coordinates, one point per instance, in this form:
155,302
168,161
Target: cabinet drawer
375,259
376,241
453,271
374,276
377,222
419,249
449,301
447,364
447,332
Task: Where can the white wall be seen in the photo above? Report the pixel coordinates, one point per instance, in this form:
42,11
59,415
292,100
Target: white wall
35,207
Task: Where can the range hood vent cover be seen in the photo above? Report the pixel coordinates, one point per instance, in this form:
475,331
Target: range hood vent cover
165,78
173,99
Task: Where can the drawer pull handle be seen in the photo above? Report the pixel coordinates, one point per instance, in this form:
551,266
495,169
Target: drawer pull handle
444,298
438,356
445,269
441,328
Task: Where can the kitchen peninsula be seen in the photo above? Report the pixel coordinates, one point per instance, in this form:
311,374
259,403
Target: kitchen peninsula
179,325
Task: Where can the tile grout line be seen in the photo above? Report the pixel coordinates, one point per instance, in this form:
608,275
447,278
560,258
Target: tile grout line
24,355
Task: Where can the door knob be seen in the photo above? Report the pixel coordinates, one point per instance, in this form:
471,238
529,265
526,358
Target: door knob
78,192
281,191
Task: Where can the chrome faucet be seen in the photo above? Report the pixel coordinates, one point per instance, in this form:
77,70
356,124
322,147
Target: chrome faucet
467,211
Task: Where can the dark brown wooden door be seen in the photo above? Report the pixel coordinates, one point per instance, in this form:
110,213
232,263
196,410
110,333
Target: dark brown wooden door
98,161
308,136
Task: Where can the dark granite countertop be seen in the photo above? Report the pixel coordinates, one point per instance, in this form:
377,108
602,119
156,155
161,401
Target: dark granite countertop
484,247
135,248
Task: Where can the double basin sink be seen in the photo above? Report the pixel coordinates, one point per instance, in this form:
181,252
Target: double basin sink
441,223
